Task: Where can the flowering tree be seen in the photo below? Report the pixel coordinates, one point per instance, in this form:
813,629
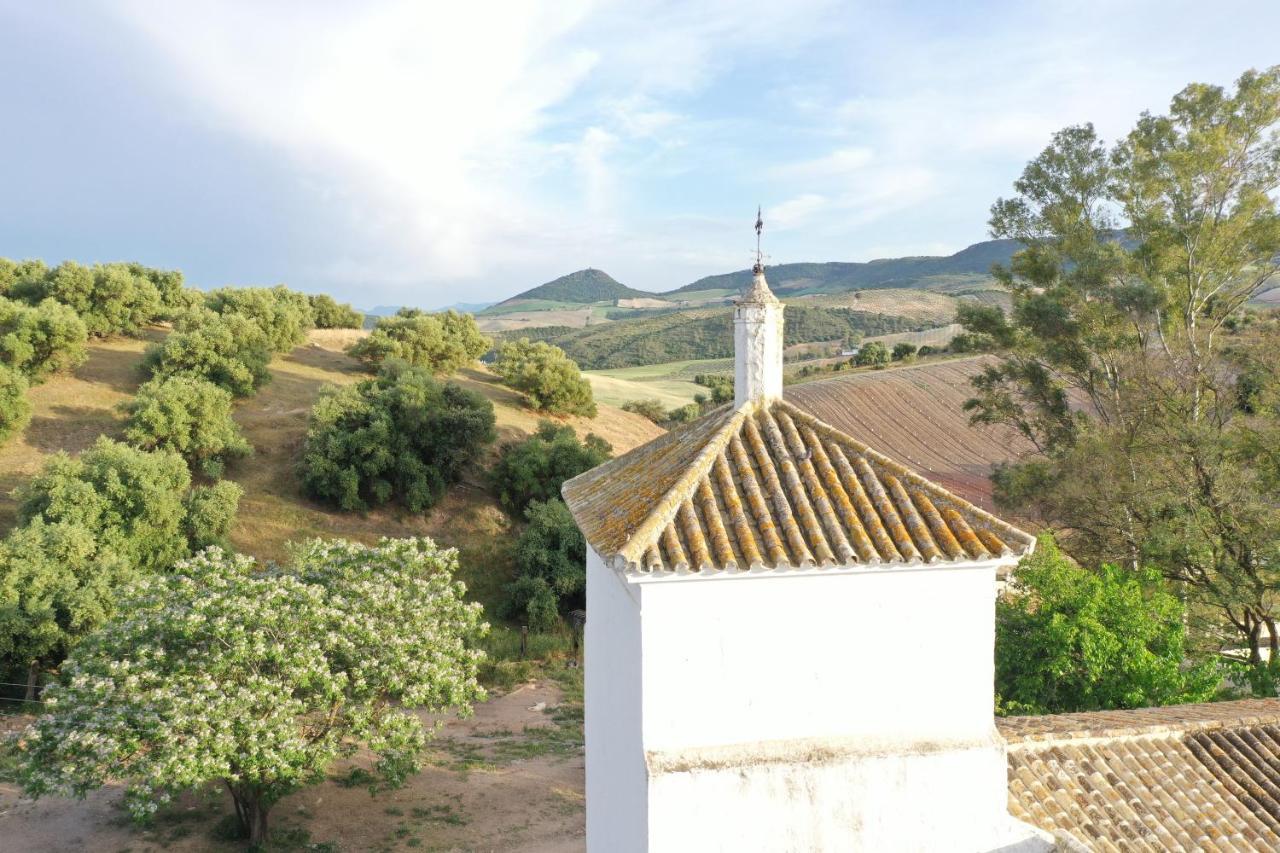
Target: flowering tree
261,679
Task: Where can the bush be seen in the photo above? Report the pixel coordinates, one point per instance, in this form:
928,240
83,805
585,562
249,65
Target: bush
904,351
971,342
550,380
1068,639
174,297
536,468
21,279
189,416
651,409
15,408
110,298
401,436
551,566
440,343
284,315
134,502
686,414
721,387
261,680
329,314
230,351
926,350
872,354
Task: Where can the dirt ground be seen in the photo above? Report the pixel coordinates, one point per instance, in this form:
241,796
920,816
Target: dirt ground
509,778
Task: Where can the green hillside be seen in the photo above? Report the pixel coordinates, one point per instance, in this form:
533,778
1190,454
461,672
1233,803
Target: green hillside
704,333
971,266
578,288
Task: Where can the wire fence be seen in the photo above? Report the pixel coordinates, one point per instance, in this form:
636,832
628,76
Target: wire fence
19,706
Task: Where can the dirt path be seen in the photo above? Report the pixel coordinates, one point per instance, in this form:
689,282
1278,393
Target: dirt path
509,778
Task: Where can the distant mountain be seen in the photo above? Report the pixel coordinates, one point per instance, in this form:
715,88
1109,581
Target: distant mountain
928,272
581,288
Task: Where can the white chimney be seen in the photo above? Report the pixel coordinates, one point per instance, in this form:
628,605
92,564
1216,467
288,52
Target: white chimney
757,343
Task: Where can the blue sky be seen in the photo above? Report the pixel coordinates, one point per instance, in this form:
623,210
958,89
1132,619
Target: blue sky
426,153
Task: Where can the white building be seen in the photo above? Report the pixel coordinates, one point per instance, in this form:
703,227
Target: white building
789,640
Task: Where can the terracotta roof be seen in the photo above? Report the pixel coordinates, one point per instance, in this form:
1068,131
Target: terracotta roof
1186,777
770,486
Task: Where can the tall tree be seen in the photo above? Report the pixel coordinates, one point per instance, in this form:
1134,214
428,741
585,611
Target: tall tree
1120,358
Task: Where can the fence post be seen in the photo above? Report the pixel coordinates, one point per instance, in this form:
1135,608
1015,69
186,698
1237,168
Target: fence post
524,641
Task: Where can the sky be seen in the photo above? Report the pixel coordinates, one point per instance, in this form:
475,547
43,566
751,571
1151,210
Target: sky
427,153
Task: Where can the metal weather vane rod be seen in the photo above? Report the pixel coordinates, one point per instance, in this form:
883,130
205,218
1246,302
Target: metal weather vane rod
759,228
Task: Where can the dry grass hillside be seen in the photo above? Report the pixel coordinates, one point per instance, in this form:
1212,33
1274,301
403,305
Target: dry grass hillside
72,411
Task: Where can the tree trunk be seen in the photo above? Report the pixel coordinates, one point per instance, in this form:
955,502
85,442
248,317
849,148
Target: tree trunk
251,811
1273,642
33,680
1255,638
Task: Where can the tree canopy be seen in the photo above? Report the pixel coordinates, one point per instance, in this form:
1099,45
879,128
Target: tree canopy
283,315
549,379
439,343
1121,357
110,298
15,408
230,351
189,416
261,679
402,436
551,566
1069,639
330,314
534,469
37,340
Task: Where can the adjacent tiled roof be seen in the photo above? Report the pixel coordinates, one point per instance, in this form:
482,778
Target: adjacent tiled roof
769,486
1187,777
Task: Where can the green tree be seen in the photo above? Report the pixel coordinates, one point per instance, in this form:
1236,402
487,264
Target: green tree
872,354
174,296
38,340
440,343
15,408
330,314
134,502
904,351
1119,357
548,378
534,469
650,408
189,416
57,584
402,436
1068,639
230,351
284,315
551,565
18,279
111,299
261,679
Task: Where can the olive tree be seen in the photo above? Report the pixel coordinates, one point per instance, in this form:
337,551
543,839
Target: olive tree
189,416
534,469
402,436
440,343
549,379
260,680
15,408
284,315
331,314
230,351
37,340
110,298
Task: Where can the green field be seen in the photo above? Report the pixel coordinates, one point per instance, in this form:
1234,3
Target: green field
671,383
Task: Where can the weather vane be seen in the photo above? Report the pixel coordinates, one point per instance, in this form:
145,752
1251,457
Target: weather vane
759,227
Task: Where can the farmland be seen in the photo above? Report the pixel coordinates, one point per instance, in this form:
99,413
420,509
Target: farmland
913,414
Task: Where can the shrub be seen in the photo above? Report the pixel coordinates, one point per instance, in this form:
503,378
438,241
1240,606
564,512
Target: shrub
110,298
15,408
551,566
401,436
189,416
872,353
230,351
329,314
134,502
20,279
41,339
651,409
536,468
261,680
721,387
1069,639
926,350
174,297
904,351
440,343
284,315
971,342
547,376
686,414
